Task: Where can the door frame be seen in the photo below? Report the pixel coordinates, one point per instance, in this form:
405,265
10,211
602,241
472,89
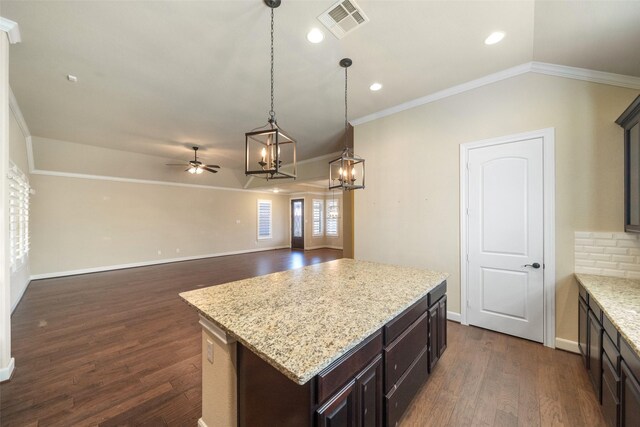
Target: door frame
549,232
304,238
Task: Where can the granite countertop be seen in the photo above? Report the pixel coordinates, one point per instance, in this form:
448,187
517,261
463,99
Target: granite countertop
302,320
619,298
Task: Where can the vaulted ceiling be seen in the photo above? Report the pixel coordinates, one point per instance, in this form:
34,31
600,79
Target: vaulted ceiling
156,77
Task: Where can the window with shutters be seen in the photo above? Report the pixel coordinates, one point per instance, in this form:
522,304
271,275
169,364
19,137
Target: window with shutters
318,209
332,217
18,216
264,219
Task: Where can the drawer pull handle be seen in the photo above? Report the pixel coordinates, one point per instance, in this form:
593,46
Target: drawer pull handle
395,366
365,388
396,404
365,411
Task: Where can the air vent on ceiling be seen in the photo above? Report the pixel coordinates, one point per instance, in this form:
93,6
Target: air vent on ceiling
343,17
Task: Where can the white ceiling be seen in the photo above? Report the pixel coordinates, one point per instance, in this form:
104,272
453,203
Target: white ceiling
156,77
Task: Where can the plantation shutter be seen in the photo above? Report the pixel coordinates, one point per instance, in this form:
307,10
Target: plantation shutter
264,219
317,217
18,216
332,217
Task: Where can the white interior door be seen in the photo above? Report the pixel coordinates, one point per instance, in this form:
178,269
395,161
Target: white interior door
506,238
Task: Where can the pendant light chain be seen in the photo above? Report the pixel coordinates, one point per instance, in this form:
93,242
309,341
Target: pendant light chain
272,113
346,121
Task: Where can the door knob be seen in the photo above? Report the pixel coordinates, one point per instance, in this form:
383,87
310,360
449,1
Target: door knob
534,265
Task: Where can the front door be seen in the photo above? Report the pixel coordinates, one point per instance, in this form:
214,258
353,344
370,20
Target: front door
506,229
297,224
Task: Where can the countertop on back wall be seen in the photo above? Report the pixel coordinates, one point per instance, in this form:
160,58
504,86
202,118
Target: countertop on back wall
619,298
302,320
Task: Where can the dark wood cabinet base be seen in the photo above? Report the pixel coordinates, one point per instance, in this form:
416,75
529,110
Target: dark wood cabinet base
370,386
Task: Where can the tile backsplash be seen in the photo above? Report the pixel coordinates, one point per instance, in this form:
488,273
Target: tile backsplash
608,254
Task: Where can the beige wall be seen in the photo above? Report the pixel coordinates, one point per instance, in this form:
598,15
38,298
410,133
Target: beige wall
18,155
84,223
409,212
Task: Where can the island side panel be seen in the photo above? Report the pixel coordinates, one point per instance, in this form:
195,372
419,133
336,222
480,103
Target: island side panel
267,398
219,377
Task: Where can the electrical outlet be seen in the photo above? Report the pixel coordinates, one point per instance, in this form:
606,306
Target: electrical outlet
237,221
159,252
210,351
177,250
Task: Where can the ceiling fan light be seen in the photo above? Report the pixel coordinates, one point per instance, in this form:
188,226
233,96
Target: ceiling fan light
192,169
199,170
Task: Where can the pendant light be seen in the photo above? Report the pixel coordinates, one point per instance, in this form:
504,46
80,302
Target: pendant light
270,152
347,171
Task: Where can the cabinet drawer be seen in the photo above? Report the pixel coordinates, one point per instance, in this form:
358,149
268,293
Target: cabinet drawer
595,308
630,358
611,351
343,370
610,375
436,293
398,400
397,326
583,293
404,350
611,330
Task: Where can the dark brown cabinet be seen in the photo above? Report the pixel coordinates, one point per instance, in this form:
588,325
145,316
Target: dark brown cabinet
437,331
369,388
442,326
595,354
340,410
613,367
630,398
630,121
372,385
583,319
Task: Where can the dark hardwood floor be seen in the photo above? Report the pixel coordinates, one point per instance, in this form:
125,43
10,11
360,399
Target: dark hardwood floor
121,348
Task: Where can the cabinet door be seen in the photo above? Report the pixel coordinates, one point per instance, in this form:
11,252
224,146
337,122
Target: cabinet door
442,326
369,386
583,344
595,354
629,398
432,339
340,410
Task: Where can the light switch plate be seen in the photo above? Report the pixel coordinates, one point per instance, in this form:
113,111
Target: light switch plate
210,351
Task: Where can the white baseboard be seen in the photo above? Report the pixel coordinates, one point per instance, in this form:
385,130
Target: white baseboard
147,263
567,345
201,423
6,372
452,315
16,302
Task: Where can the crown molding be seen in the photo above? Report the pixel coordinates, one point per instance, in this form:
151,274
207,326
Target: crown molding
575,73
145,181
12,29
585,74
454,90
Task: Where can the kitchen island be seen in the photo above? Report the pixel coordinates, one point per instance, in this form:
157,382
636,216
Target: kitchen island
339,343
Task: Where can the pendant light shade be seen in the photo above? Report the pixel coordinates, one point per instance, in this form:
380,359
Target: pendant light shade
270,152
347,171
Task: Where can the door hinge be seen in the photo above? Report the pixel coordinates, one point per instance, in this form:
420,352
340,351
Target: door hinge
467,257
468,165
467,211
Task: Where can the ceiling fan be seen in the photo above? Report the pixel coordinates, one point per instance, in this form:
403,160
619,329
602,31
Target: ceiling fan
195,166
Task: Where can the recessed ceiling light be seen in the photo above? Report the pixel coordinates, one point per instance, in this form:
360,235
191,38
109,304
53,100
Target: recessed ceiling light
376,86
315,35
494,37
72,78
275,190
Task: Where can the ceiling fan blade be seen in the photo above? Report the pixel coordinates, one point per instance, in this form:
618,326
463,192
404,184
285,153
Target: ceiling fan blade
175,164
212,166
209,169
